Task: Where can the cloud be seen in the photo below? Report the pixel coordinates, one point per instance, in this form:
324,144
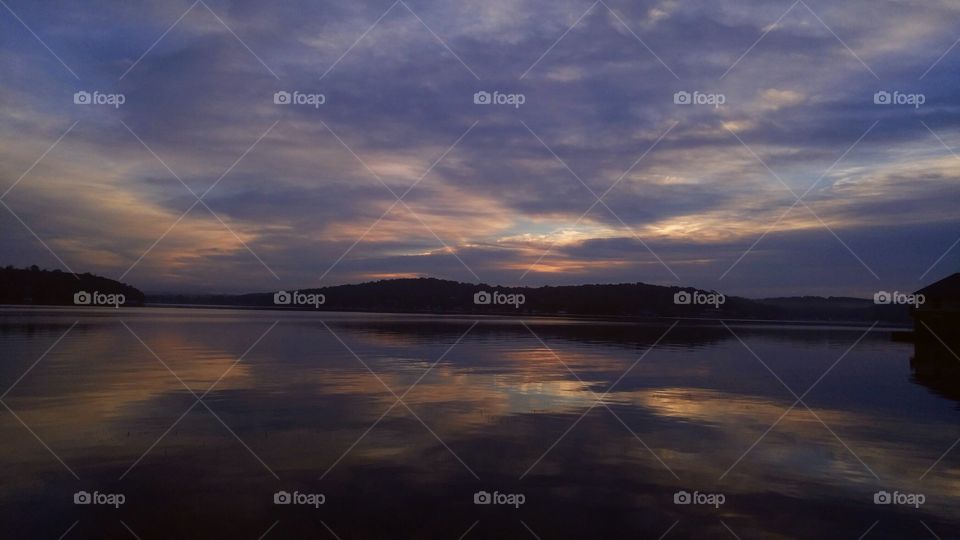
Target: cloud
598,119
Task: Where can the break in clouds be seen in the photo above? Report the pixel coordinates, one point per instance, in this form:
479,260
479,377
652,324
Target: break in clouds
289,131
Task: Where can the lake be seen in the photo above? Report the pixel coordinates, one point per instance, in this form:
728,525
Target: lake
202,423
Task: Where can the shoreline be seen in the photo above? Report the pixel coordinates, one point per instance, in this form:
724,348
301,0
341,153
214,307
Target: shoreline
892,326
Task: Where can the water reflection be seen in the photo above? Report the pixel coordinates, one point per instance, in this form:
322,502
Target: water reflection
494,406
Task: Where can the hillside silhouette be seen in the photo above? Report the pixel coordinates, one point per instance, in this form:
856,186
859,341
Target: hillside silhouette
628,300
33,286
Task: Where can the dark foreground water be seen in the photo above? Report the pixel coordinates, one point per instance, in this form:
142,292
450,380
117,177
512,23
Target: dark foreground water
200,428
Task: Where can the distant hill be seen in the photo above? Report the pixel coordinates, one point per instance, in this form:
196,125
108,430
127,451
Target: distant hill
34,286
636,300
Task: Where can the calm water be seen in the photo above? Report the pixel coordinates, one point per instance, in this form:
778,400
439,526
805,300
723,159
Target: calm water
498,406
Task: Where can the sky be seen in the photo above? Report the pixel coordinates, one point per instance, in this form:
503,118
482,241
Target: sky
757,148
